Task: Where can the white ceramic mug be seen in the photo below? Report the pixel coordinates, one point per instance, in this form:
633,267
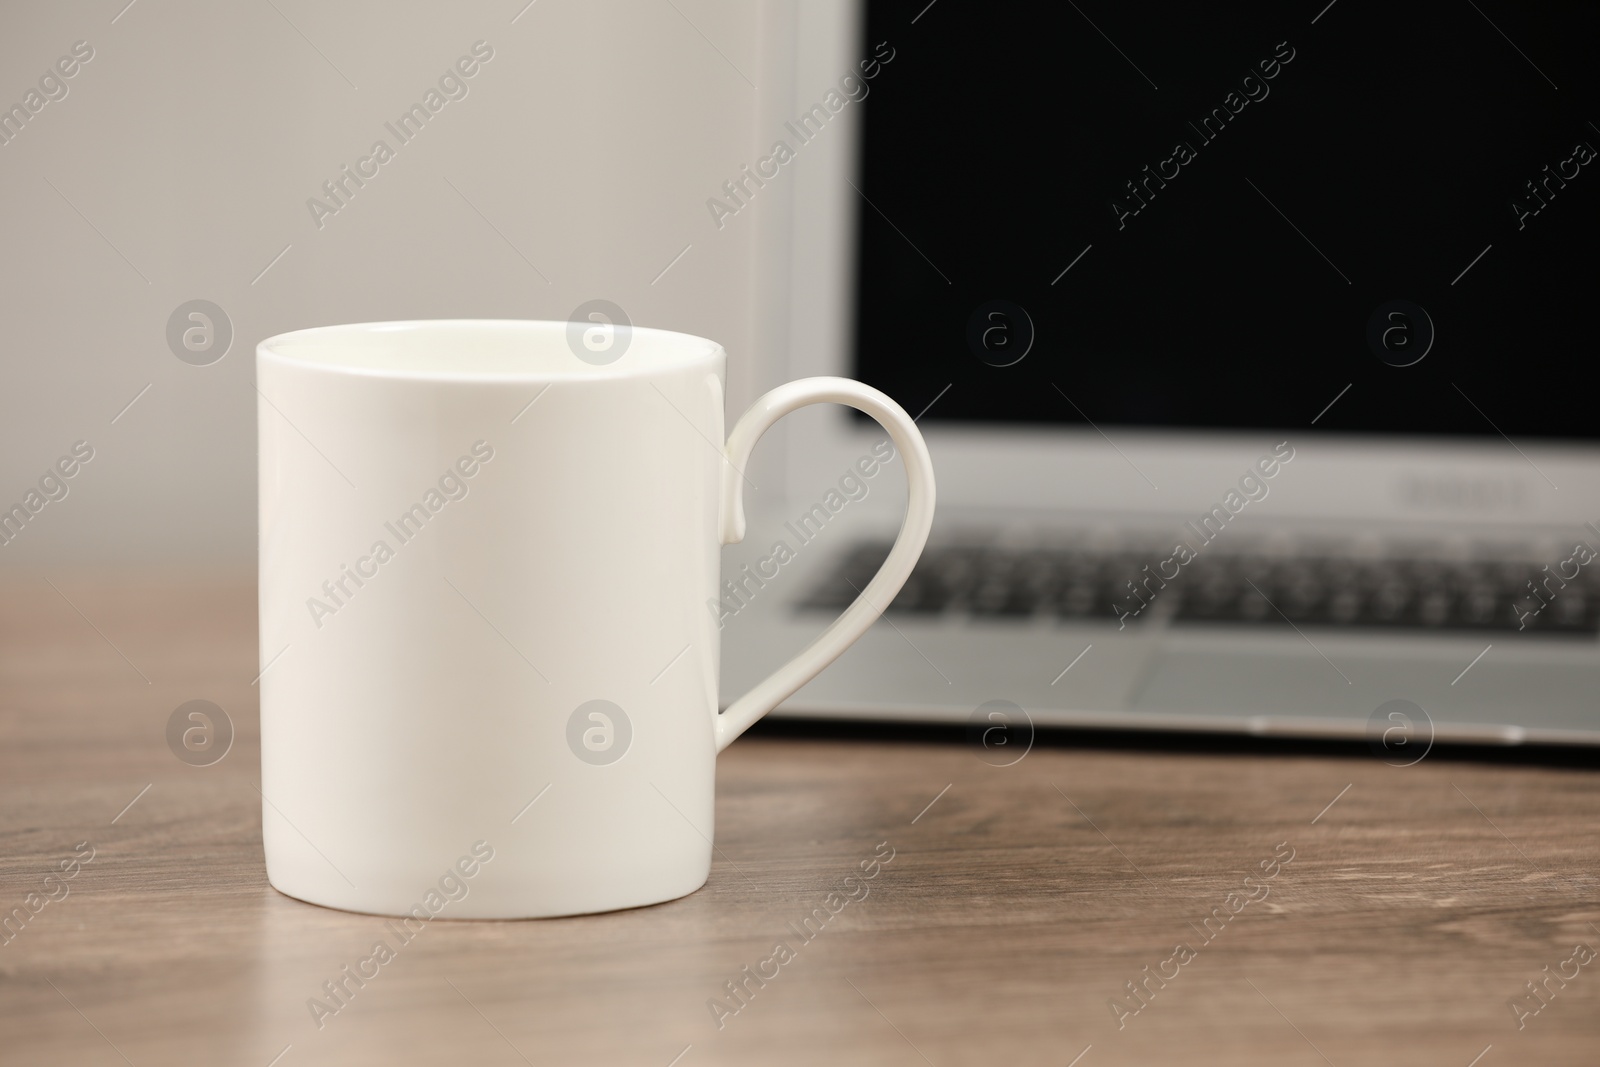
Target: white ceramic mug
487,553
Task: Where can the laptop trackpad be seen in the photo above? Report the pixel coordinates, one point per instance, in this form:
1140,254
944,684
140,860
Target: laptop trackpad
1285,687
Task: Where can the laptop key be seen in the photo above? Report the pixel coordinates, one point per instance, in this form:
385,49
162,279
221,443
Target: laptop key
1219,589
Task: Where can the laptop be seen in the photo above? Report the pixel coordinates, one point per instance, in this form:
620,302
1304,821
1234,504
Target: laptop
1252,347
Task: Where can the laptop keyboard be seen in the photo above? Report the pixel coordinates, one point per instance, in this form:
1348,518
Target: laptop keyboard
1323,590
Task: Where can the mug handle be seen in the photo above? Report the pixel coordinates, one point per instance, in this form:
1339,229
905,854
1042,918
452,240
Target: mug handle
871,601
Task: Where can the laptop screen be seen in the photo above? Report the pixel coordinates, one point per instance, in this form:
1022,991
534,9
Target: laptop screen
1378,218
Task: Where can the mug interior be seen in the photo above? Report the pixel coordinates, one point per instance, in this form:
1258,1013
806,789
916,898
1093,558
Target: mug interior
490,348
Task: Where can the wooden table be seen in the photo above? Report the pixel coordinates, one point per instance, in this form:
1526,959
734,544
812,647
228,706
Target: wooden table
1019,900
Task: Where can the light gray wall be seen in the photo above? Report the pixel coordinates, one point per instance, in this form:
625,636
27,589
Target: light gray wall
179,164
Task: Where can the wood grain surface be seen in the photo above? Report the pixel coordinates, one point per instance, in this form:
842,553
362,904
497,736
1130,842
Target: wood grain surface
1019,901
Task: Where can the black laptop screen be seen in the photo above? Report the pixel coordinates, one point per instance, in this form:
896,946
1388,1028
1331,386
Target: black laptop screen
1379,218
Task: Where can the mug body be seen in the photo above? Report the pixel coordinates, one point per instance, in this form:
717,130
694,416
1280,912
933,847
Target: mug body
490,672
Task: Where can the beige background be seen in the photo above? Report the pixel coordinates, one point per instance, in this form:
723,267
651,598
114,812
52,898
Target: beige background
190,144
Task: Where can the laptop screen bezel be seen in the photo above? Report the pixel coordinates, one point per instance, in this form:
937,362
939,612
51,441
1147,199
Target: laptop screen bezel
808,264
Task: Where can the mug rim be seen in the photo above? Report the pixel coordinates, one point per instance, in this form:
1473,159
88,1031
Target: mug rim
679,350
